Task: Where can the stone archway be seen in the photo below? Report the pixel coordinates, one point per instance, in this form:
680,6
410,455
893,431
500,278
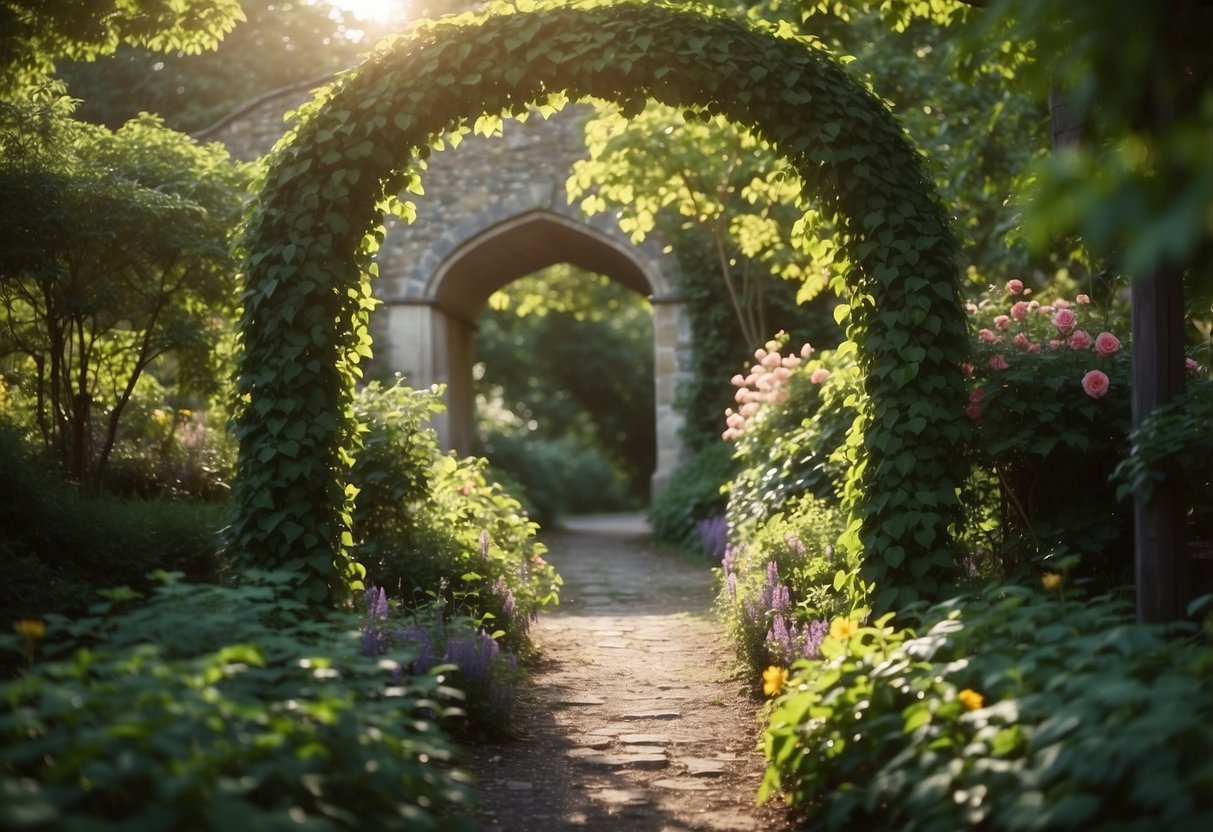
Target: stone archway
315,228
426,327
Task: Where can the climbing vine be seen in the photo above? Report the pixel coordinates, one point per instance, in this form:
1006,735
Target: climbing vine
317,223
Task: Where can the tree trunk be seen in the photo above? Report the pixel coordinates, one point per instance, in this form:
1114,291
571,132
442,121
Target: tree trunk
1163,580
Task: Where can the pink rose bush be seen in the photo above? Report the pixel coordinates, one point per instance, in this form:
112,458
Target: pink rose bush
1049,398
1056,337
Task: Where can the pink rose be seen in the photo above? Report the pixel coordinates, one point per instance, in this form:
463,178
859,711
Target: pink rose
1002,322
967,369
986,335
998,363
1106,344
1033,347
977,394
1014,286
819,375
1062,303
1082,299
1064,320
1019,310
1080,340
1190,366
1055,344
971,308
805,351
1095,384
1022,341
973,411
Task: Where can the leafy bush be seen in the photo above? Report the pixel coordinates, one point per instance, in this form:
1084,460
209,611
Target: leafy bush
57,544
558,477
790,430
1013,710
487,674
429,526
780,587
1050,398
693,494
223,708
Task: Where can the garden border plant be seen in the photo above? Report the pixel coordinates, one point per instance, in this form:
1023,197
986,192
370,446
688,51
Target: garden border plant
318,221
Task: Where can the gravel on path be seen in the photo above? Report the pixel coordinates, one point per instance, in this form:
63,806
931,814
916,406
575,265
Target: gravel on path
630,719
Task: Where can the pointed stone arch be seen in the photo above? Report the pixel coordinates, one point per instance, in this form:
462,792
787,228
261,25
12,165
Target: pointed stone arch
426,332
317,223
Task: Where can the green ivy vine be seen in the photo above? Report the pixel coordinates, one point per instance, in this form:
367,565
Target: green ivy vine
318,221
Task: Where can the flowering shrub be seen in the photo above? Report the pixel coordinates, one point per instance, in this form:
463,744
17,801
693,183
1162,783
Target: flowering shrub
487,674
1049,396
790,431
431,527
1017,709
779,587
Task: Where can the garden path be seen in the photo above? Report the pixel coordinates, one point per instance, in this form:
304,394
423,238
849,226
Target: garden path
630,719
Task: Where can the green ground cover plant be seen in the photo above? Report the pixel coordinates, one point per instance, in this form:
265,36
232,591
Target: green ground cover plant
1016,708
217,707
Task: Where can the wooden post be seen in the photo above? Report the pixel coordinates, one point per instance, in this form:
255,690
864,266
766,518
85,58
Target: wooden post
1162,566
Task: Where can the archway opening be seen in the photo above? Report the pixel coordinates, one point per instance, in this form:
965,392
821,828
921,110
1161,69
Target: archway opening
564,391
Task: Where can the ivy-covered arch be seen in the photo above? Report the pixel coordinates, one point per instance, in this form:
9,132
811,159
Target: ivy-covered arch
318,221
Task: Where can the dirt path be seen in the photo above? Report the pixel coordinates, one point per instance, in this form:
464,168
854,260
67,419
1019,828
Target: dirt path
630,721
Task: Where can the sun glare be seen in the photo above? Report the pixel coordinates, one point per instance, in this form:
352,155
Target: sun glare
371,11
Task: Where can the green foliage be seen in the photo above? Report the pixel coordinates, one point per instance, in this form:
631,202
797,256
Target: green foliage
1137,81
717,335
1179,432
1012,710
315,227
566,367
821,584
39,32
212,707
58,545
794,443
431,528
695,492
116,258
1046,445
553,477
277,45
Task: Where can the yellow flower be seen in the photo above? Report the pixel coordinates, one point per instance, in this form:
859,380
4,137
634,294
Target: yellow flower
30,628
773,680
843,628
971,699
1051,581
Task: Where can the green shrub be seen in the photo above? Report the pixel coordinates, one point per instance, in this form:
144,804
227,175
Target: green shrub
790,431
1013,710
693,494
1045,444
57,545
558,477
223,708
782,587
429,526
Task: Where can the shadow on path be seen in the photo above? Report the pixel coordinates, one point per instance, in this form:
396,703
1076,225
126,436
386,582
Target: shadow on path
630,720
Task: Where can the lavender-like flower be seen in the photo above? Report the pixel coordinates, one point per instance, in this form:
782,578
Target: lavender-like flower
730,557
713,535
